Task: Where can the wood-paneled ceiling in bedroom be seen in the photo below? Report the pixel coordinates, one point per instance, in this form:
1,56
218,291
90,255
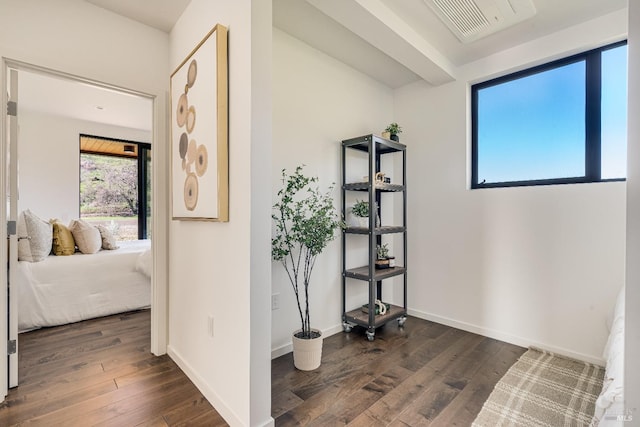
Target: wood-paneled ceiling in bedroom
111,147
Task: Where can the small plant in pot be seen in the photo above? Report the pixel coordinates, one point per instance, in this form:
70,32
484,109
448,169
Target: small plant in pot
394,130
360,211
382,259
305,222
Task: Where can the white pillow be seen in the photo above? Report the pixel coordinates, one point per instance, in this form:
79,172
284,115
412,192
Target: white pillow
87,236
108,239
35,237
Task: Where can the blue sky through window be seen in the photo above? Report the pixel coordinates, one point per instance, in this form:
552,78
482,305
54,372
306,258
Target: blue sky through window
533,127
614,113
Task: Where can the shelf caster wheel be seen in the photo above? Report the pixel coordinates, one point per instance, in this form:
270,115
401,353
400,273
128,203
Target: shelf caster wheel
401,321
346,327
371,335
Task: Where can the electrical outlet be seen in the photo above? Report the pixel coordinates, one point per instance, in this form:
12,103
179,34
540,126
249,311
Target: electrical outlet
275,301
210,326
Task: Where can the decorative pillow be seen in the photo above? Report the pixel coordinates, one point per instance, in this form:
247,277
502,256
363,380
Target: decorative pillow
108,239
63,243
35,237
87,236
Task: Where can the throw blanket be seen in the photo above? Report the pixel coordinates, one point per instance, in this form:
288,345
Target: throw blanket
543,389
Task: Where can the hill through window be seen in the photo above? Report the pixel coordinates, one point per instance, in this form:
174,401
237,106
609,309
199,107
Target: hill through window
115,185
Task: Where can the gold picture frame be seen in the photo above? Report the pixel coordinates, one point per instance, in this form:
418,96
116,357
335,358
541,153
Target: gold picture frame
200,132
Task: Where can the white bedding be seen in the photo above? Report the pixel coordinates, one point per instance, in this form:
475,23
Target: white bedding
66,289
610,410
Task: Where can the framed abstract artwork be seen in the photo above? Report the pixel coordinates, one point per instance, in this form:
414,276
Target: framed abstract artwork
200,132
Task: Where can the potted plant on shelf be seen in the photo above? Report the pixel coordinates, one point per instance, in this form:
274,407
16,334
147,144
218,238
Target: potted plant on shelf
382,258
394,129
360,211
360,214
305,222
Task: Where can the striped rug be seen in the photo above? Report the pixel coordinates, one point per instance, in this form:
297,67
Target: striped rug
543,389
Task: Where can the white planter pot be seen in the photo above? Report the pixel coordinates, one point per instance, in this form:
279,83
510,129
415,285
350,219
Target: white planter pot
358,221
307,354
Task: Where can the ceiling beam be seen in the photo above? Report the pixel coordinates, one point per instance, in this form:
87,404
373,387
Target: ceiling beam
374,22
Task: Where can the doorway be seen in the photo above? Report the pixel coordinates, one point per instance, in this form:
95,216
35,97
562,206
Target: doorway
42,94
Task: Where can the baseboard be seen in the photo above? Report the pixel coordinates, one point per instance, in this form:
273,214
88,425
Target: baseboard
288,348
213,398
281,351
506,337
469,327
269,423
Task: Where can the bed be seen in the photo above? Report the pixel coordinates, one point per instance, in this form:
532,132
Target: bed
66,289
610,410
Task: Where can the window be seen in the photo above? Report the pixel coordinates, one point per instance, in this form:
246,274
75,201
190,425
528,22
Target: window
559,123
115,185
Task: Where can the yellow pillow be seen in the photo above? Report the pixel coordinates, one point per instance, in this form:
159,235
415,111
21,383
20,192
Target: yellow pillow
63,242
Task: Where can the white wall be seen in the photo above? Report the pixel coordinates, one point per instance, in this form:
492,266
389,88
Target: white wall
76,37
214,268
530,265
49,159
632,316
317,102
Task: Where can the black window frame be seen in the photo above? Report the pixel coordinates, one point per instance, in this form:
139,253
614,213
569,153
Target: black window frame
144,149
593,96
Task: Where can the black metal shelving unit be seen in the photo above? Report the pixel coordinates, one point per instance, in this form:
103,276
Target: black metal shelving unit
375,147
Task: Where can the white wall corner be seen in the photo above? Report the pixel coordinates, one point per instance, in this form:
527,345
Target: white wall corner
216,401
505,336
632,289
288,348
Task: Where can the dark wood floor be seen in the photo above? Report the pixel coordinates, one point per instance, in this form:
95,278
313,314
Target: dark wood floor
422,374
101,372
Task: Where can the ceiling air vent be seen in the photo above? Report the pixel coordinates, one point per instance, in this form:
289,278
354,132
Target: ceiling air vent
471,20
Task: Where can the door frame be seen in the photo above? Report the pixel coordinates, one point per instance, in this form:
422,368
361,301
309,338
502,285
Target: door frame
4,302
159,241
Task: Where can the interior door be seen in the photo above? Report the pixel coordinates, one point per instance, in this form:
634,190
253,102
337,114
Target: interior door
12,214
